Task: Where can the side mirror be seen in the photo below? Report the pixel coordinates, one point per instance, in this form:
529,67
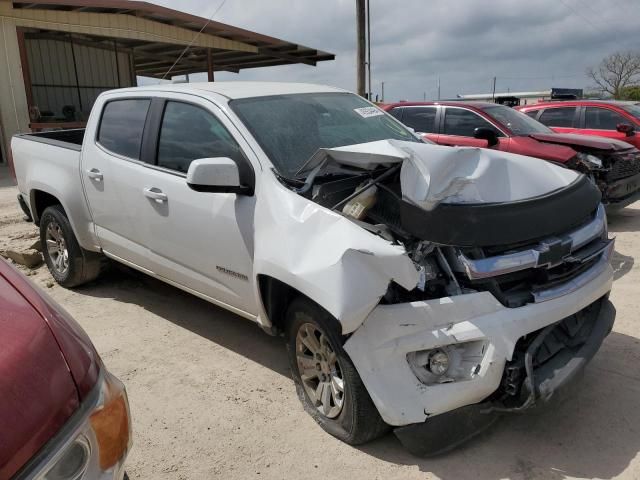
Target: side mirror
484,133
626,128
216,175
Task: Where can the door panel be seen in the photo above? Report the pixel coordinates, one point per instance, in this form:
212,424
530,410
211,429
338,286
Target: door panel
203,241
111,173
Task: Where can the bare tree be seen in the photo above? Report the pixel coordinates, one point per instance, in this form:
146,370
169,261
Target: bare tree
616,72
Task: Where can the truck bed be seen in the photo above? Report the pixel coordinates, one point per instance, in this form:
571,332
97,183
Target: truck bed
71,139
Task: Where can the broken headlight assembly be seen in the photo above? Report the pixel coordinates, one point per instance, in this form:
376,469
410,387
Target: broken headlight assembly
98,444
591,162
448,363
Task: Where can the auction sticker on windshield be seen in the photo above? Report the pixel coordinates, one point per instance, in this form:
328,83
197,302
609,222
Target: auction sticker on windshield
367,112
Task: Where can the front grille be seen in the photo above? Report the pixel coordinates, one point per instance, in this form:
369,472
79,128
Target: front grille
548,264
623,166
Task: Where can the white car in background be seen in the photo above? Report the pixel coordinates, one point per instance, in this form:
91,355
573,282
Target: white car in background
417,285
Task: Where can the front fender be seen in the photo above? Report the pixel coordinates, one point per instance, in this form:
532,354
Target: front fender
325,256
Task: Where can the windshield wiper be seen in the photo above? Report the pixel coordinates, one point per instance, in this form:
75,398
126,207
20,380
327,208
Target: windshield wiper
308,183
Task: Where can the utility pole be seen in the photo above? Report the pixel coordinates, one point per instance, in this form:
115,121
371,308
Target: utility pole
493,95
438,87
424,96
361,50
369,50
382,95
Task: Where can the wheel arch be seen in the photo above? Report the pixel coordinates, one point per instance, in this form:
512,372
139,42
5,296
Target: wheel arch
39,200
275,297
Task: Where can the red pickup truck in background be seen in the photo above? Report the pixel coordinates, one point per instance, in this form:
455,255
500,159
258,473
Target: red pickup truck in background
62,414
603,118
613,165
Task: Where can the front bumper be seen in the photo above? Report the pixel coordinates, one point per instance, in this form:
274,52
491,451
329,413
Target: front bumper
622,193
379,348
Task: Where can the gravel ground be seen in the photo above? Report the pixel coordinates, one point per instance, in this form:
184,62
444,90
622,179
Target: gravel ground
211,394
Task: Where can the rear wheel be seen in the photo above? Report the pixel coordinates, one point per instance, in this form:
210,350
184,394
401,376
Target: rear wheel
326,380
69,264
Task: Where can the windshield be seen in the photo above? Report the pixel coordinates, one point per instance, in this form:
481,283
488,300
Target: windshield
517,122
633,109
291,128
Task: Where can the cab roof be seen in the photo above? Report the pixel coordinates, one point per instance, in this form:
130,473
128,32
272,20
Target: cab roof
234,90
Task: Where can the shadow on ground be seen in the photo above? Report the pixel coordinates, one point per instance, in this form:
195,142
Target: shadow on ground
187,311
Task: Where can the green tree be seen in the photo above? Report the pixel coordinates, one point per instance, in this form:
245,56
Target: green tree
631,93
616,72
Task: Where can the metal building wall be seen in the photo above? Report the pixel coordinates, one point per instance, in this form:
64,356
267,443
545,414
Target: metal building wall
66,74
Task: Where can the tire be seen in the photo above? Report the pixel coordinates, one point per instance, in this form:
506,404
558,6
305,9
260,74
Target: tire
349,415
69,264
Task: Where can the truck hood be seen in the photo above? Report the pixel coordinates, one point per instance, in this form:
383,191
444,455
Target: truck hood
434,174
37,390
588,141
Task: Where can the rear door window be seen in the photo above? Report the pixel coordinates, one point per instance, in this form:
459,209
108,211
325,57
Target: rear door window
558,117
188,133
122,125
421,119
462,122
597,118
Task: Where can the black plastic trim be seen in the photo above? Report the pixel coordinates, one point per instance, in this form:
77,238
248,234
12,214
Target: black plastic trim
495,224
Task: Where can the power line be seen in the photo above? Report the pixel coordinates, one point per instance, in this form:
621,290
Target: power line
194,38
584,17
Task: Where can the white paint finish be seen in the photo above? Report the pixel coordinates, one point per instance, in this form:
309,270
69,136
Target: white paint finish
345,269
214,172
380,346
324,255
54,170
234,90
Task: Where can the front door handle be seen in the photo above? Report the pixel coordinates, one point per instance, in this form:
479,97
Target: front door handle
155,194
95,174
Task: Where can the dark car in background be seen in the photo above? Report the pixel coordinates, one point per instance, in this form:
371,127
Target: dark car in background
603,118
63,416
613,165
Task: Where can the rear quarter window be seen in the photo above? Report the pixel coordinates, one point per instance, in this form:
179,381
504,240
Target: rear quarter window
122,125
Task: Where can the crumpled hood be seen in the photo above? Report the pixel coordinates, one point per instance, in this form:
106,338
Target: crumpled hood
588,141
434,174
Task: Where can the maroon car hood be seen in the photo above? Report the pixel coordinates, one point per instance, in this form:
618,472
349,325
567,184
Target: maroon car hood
37,392
588,141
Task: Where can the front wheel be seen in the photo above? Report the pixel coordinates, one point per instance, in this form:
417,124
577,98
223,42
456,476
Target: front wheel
326,380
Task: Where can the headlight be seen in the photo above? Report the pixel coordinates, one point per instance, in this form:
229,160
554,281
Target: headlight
97,447
590,161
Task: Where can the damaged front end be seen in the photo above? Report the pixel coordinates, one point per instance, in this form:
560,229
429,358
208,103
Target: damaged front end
616,173
511,260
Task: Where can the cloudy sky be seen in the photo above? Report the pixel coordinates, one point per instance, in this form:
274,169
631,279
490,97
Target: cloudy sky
526,44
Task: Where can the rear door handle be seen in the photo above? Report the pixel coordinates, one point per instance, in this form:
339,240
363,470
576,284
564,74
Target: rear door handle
155,194
95,174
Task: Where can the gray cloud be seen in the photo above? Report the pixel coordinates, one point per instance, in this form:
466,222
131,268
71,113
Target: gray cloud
527,45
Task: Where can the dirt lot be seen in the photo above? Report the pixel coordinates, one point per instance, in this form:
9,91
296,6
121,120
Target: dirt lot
212,398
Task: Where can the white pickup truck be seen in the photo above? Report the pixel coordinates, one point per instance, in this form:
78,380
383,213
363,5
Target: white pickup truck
416,284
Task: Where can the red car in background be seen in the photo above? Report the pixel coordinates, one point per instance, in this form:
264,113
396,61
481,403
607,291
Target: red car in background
613,165
612,119
62,414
